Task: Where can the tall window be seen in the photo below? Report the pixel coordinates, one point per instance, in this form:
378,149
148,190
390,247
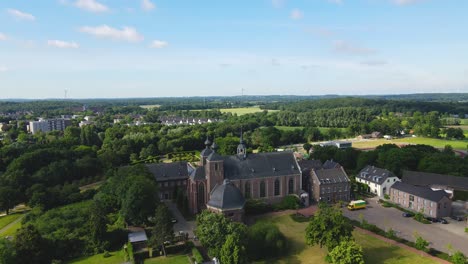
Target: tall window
277,187
291,186
247,190
201,194
216,166
262,189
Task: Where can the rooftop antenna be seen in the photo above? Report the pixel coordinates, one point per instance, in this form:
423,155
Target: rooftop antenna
65,96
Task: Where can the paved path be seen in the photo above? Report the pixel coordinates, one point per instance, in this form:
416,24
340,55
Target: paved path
438,235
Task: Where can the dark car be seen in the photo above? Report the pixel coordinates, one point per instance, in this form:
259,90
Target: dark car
456,217
173,220
405,214
432,219
443,221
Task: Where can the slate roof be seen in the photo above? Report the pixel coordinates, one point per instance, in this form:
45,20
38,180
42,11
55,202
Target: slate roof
428,179
309,164
374,174
330,164
198,174
226,197
423,192
260,165
169,171
206,152
331,176
214,157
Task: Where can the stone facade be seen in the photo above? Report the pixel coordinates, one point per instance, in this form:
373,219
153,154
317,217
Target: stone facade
331,185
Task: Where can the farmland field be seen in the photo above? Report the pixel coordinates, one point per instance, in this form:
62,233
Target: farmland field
244,110
150,106
375,250
437,143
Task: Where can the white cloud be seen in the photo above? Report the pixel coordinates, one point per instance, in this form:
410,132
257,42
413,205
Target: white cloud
342,46
91,5
296,14
3,69
2,36
278,3
104,31
158,44
405,2
147,5
62,44
21,15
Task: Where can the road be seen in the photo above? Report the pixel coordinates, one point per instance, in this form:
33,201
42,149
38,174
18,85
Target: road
437,234
182,224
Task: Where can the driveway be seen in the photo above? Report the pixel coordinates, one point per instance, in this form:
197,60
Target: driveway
438,235
182,224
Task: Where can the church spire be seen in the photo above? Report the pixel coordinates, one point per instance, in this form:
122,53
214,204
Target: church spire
241,148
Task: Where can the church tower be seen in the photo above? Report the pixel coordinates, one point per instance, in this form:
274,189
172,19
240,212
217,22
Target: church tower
242,148
214,168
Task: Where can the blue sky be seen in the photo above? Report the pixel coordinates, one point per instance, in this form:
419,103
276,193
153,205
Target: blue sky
153,48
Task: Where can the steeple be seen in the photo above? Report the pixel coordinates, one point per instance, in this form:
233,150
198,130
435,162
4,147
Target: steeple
241,148
214,146
207,142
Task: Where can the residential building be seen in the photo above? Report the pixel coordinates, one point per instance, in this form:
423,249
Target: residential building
330,185
47,125
448,183
378,180
170,177
421,199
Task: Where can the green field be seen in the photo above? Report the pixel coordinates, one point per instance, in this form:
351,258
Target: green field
7,219
179,259
288,128
464,121
437,143
150,106
116,258
11,230
244,110
375,251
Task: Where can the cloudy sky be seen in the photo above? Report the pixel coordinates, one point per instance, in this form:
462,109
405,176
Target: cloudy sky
152,48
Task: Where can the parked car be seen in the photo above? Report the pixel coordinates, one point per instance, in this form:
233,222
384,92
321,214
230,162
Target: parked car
405,214
432,219
456,217
443,221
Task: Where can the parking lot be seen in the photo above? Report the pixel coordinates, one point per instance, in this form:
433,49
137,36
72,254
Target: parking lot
439,235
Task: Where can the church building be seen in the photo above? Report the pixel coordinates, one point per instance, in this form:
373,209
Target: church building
223,183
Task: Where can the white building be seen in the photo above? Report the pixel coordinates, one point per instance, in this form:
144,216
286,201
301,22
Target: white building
378,180
47,125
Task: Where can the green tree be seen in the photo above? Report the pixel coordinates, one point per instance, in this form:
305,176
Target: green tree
328,227
8,198
233,251
347,252
212,230
7,252
140,200
307,147
162,229
458,258
421,243
30,246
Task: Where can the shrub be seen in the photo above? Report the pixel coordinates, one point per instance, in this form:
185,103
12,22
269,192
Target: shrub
458,258
421,244
253,206
288,202
387,197
466,229
300,218
390,234
197,256
106,254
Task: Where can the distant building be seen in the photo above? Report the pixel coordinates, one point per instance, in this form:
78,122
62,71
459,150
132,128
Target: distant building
378,180
47,125
338,144
448,183
421,199
175,120
330,185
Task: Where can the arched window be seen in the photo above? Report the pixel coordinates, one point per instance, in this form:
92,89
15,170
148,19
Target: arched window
277,187
262,189
201,194
291,186
247,190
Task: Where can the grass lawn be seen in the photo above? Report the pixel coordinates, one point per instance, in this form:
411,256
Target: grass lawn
464,121
438,143
150,106
243,110
7,219
375,250
178,259
288,128
11,231
116,258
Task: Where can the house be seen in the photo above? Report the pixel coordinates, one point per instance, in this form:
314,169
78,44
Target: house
364,136
376,134
448,183
330,185
169,177
421,199
330,164
137,237
378,180
266,176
